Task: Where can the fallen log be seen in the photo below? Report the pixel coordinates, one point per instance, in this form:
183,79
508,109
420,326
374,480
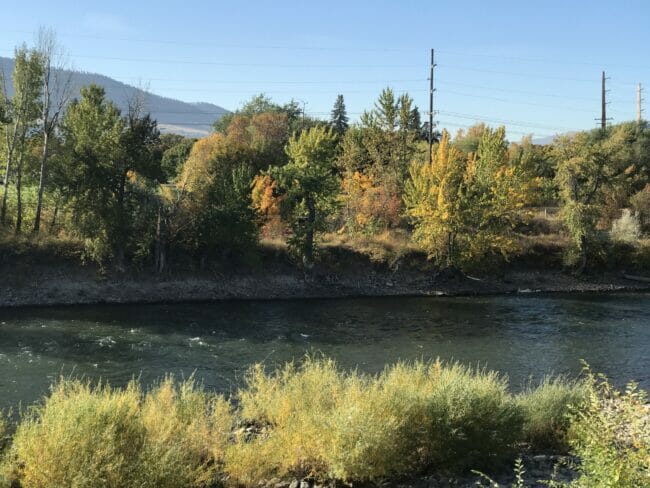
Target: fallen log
643,279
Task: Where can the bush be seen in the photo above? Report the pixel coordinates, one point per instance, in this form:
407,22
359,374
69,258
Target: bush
626,228
641,203
546,410
316,421
611,436
89,436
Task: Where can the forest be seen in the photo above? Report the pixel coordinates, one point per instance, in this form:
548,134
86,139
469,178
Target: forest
79,174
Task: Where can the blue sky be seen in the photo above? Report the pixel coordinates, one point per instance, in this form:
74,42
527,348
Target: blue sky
534,65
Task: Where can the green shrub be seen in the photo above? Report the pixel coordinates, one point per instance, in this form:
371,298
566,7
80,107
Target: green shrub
87,436
546,409
611,436
314,420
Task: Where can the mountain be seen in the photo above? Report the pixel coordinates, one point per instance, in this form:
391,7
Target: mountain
175,116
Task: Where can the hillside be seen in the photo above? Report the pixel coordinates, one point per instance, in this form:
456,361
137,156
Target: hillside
188,119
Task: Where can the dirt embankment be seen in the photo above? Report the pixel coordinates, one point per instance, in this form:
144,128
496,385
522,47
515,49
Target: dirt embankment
66,284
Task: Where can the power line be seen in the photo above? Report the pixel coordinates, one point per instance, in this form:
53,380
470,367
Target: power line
295,47
481,118
517,102
220,63
305,82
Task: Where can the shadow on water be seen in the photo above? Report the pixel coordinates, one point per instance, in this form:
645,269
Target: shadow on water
521,336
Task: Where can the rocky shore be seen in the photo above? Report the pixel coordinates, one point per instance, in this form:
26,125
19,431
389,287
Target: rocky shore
40,285
537,470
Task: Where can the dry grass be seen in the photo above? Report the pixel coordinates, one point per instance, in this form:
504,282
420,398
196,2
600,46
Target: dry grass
386,247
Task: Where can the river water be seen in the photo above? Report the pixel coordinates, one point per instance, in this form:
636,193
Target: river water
523,336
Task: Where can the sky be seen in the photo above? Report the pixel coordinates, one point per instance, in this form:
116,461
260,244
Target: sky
532,66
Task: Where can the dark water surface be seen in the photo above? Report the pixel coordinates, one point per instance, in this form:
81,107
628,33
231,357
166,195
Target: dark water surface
522,336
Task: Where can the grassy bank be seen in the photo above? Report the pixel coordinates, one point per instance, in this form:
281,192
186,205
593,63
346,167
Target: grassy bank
309,421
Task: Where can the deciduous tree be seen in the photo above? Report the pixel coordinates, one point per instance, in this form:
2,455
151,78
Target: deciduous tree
309,185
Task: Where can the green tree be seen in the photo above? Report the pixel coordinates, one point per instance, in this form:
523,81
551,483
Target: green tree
22,111
584,164
310,186
388,137
110,169
175,150
339,117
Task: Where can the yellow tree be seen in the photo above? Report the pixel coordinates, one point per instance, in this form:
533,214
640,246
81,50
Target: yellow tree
433,199
464,207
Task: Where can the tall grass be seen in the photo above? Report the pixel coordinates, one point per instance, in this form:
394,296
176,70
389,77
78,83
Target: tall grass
308,420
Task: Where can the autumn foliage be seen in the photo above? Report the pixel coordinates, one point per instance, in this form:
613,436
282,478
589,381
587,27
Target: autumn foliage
464,207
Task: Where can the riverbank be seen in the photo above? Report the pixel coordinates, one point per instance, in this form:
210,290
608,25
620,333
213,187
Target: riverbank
43,285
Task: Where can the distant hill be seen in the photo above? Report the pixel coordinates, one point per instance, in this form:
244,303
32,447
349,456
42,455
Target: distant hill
175,116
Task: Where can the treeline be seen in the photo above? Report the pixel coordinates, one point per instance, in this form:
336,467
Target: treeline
131,195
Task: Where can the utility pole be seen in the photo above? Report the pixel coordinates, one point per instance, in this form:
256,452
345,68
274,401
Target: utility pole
603,110
431,90
639,102
603,103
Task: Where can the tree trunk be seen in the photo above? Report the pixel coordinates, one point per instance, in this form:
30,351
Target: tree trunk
54,215
41,183
119,239
5,188
308,252
11,144
583,256
19,197
161,244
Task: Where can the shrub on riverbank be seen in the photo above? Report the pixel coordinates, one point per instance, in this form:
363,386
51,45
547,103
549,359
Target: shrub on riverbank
545,409
326,424
314,421
611,436
101,436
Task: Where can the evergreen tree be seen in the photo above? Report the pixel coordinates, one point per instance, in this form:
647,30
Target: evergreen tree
339,120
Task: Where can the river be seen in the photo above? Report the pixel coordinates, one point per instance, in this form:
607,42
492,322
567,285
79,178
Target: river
523,336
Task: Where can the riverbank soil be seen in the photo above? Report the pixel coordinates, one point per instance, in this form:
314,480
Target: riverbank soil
32,280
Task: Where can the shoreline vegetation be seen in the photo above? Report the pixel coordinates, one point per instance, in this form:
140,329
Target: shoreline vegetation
98,206
312,424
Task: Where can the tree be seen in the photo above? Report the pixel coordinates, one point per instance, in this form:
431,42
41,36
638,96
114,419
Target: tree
23,111
296,119
339,118
55,94
590,164
464,207
175,150
92,129
309,185
389,138
111,169
216,217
